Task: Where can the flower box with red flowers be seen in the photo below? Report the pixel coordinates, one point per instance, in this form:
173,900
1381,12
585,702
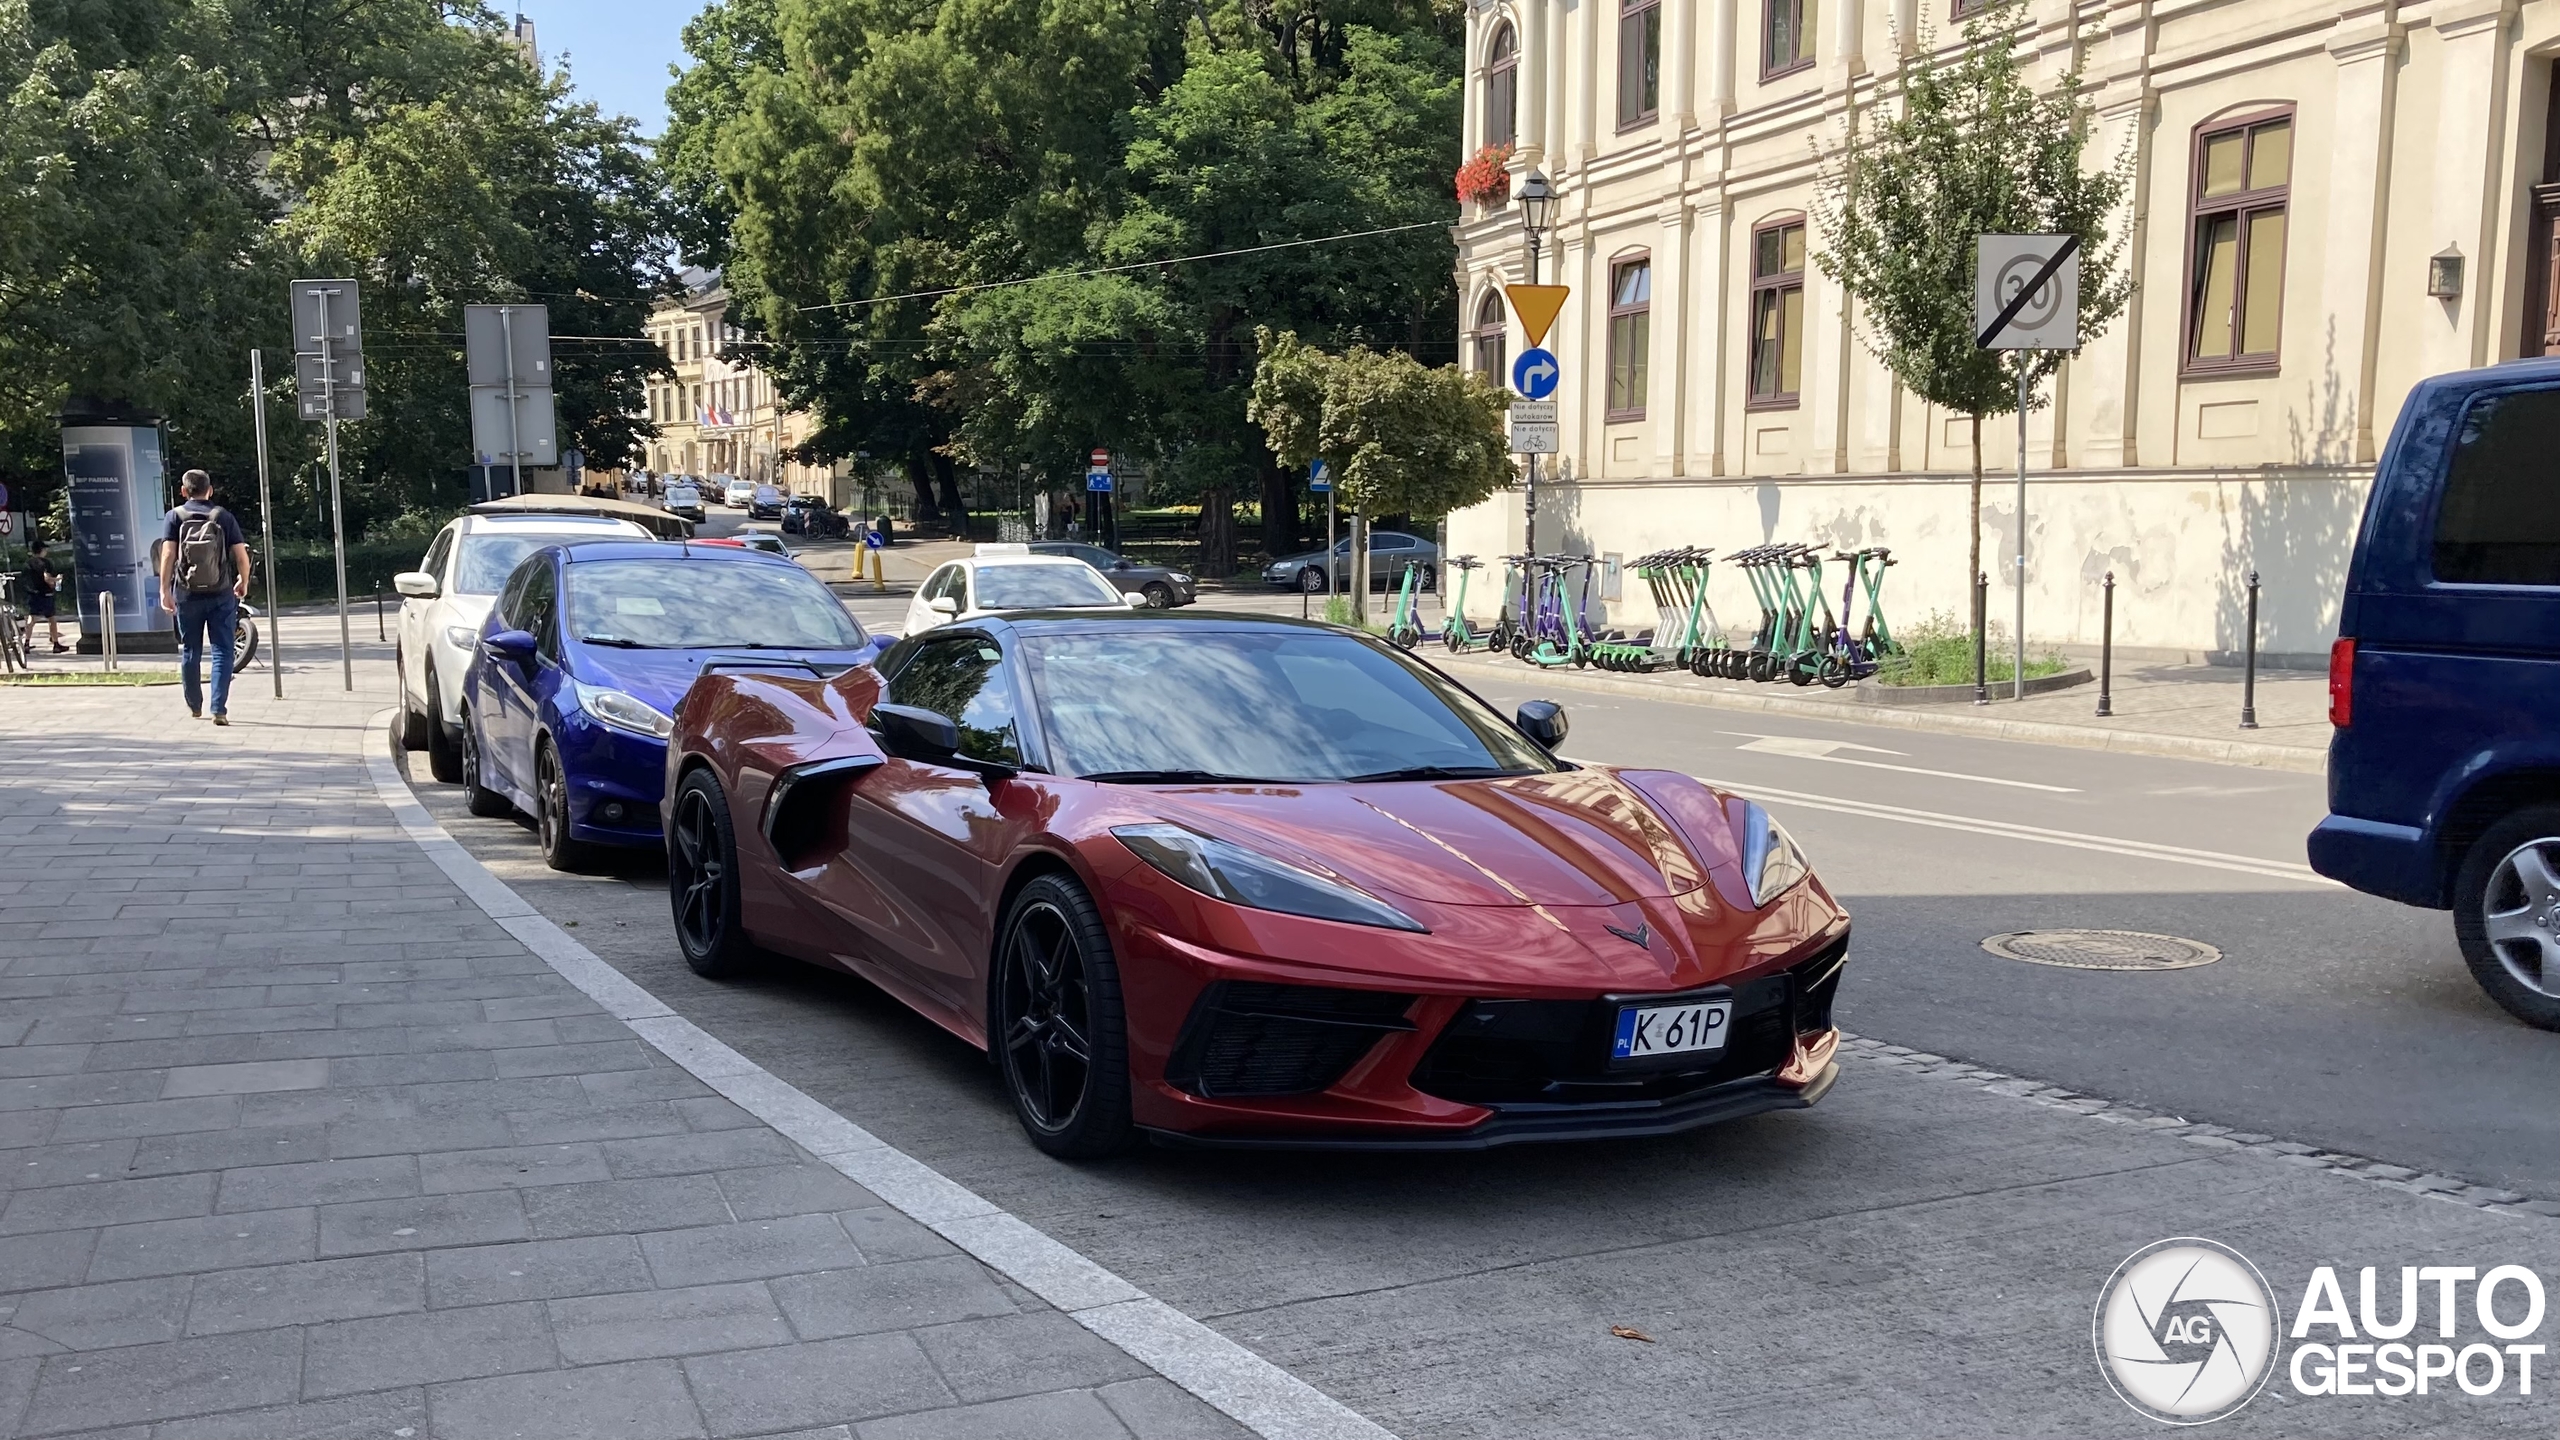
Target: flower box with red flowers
1484,181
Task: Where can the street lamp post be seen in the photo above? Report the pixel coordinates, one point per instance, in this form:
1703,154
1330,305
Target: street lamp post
1537,203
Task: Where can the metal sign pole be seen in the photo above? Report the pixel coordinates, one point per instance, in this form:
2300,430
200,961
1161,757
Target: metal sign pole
515,438
266,517
337,497
2018,678
1328,547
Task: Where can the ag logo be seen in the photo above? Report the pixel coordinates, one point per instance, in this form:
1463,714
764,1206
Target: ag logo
2186,1331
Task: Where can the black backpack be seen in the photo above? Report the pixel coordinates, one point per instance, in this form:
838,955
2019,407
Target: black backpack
204,556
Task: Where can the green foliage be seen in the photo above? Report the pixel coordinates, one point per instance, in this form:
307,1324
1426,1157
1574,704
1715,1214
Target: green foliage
1939,651
1970,150
1400,438
170,164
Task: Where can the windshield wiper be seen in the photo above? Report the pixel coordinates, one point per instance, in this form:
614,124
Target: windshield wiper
1176,777
616,641
1435,772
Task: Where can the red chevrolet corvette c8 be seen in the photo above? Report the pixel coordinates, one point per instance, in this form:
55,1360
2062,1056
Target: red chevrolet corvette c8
1237,880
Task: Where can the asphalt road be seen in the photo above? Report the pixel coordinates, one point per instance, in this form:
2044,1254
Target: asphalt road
1914,1256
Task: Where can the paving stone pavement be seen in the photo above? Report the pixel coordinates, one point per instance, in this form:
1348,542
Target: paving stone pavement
296,1144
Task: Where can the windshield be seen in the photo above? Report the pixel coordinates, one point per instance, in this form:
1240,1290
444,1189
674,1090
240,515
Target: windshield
1269,705
1039,587
489,558
697,604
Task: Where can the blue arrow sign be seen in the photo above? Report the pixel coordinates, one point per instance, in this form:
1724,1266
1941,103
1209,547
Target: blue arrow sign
1535,374
1320,479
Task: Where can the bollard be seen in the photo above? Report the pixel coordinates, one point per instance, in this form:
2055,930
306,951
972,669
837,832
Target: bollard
107,626
2249,671
2107,649
379,633
1981,614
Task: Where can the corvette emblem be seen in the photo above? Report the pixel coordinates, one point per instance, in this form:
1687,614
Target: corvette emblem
1640,937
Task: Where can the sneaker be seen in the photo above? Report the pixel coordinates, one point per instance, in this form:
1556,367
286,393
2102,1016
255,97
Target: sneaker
195,714
221,719
61,649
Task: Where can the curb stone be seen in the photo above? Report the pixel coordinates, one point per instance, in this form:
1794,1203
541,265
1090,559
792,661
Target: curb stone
2255,753
2208,1137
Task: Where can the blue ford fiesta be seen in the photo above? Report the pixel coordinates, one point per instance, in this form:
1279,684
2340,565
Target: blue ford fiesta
582,662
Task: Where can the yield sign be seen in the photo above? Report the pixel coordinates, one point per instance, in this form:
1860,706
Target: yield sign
1536,305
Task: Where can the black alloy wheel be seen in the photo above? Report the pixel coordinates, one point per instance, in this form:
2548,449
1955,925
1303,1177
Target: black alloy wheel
702,882
444,747
477,798
1159,595
551,813
1057,1030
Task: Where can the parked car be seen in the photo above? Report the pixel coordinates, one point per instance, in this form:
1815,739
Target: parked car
998,578
683,498
1389,550
810,515
1250,881
2444,682
584,657
764,502
442,603
736,492
761,540
1161,588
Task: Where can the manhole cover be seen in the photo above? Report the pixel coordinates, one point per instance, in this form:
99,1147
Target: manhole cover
2102,949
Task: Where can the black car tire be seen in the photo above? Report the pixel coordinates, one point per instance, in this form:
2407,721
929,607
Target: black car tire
1311,581
560,850
413,722
1057,991
1159,595
2484,864
444,747
702,882
477,798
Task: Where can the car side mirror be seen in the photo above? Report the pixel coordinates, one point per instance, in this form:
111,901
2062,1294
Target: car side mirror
912,732
1542,721
1134,600
1119,564
511,645
943,605
416,584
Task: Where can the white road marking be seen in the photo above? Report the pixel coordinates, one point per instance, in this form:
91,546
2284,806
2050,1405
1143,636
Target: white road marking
1797,747
1205,1364
2107,844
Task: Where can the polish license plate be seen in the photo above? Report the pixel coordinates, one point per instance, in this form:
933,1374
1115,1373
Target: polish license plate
1649,1030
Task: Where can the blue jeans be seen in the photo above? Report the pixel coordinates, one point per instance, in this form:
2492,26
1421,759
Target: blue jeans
219,614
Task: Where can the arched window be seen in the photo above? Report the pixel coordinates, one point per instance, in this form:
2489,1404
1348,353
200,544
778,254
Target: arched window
2235,295
1502,87
1630,335
1493,359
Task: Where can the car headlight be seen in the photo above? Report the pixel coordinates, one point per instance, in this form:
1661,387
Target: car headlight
1181,579
1230,872
1771,863
461,637
623,712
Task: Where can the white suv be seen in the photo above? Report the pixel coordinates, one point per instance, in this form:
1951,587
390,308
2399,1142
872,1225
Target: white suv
442,603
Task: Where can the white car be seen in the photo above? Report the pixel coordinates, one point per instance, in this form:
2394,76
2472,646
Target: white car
741,493
1009,577
442,603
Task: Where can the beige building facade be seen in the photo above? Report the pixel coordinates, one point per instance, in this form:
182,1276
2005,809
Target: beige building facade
719,414
2303,178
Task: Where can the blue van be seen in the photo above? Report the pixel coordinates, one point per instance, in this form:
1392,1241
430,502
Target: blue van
2444,683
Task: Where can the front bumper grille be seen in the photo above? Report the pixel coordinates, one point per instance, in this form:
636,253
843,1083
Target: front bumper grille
1556,1052
1252,1039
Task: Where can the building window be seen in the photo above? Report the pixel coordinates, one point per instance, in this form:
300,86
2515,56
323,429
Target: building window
1787,44
1639,61
1777,312
1502,87
1493,360
1630,336
2235,292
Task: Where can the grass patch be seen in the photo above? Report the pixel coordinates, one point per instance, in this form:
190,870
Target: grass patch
91,677
1939,651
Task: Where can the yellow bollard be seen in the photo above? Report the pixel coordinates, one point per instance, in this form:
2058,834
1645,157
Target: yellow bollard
879,569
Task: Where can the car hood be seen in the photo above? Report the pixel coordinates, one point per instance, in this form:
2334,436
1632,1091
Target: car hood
1577,837
659,678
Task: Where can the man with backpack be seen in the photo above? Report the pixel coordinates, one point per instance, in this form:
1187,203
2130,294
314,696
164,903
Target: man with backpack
204,575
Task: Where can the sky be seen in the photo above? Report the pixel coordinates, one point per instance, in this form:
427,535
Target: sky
617,51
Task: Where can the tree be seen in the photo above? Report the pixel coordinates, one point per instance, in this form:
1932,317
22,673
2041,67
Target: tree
1400,438
1971,151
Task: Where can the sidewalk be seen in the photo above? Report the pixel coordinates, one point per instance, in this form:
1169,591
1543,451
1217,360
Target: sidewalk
296,1141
